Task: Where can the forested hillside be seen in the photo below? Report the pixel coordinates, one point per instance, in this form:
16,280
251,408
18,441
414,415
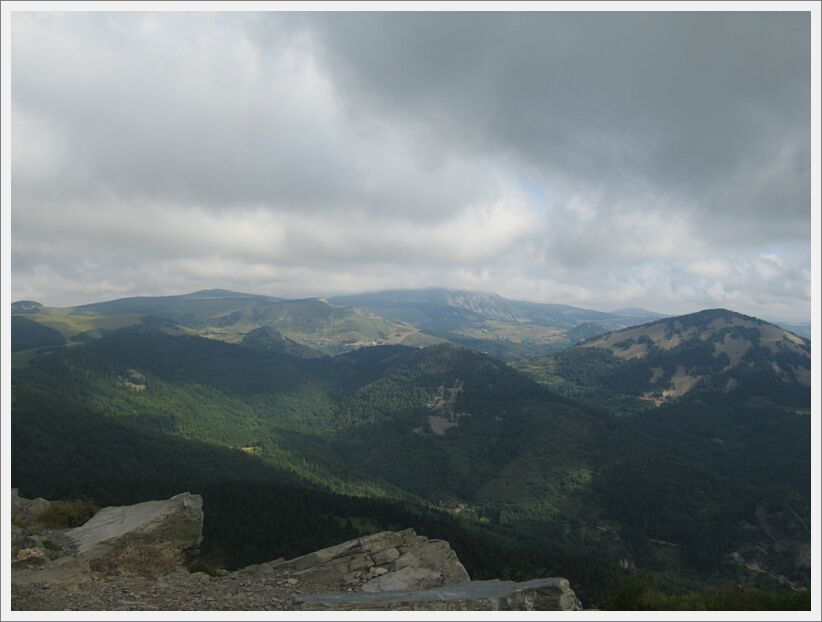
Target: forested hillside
444,435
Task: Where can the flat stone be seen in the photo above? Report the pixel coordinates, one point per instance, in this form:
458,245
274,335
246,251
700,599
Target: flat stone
553,594
405,579
386,556
430,563
360,562
367,544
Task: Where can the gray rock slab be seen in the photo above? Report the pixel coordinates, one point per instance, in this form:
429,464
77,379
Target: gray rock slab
552,594
178,520
410,562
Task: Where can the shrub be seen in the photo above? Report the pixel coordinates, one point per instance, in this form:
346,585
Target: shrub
642,593
63,514
202,566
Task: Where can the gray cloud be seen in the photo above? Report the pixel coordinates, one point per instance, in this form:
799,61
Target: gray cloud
601,159
700,104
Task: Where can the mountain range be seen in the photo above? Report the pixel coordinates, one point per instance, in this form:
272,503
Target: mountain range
679,447
489,323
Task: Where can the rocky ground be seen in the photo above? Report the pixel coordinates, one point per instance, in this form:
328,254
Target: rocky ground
136,558
179,590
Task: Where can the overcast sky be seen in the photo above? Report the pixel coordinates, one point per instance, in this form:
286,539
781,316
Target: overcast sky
596,159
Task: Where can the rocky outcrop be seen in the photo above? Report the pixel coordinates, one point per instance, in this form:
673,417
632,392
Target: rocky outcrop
26,307
147,538
540,595
133,558
385,561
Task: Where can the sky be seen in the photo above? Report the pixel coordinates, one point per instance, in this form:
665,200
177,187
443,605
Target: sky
603,160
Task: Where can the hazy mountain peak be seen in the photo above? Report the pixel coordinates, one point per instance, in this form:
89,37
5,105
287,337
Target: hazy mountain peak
22,307
220,293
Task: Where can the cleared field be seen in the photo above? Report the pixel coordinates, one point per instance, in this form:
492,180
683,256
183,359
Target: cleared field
69,324
515,333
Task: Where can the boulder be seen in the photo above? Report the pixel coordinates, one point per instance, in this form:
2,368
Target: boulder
148,538
389,560
26,511
554,594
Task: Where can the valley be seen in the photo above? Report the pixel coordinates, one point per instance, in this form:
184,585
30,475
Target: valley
676,451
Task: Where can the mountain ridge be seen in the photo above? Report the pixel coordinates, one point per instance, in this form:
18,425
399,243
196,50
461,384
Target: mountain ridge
714,350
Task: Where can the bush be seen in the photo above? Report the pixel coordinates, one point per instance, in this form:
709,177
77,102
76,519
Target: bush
64,514
202,566
643,593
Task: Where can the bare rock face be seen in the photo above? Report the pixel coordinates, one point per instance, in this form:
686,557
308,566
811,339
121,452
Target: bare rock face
553,594
146,539
385,561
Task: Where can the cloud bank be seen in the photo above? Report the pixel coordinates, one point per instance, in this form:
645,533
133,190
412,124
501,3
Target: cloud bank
598,159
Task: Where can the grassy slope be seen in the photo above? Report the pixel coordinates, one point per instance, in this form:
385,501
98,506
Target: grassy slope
69,324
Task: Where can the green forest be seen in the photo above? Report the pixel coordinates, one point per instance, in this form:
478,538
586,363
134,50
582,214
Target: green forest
293,454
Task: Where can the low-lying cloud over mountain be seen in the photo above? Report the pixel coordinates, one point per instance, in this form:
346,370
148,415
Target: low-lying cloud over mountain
596,159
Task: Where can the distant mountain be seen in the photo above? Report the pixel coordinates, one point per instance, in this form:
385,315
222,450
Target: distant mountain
25,307
146,325
228,316
730,390
433,306
316,323
504,328
710,351
192,310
